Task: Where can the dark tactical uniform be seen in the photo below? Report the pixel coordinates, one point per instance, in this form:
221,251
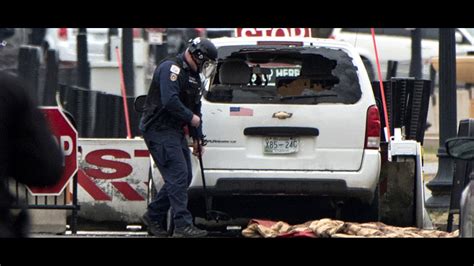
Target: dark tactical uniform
172,99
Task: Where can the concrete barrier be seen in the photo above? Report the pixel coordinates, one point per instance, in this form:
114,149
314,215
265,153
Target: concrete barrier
113,180
48,221
43,220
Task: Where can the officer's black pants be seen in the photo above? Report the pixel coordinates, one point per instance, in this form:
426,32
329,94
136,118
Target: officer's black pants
171,154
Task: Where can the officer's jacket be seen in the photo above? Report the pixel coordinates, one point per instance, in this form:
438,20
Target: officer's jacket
173,97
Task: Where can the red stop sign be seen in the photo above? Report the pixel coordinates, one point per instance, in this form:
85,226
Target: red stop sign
66,136
273,32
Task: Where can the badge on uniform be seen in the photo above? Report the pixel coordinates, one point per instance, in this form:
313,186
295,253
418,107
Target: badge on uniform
173,77
175,69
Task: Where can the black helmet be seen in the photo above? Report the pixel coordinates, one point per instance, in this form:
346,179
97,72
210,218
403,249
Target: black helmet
203,49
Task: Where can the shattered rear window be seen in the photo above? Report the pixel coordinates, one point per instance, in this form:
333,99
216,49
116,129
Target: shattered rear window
286,75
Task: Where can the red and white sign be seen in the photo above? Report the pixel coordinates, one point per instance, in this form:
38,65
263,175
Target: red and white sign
114,164
273,32
113,179
66,136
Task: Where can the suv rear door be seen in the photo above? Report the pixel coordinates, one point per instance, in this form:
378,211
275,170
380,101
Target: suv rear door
261,127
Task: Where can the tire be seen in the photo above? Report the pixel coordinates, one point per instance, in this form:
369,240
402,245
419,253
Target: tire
197,207
370,212
358,211
369,68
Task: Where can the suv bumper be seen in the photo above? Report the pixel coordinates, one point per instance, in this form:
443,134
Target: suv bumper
342,184
283,186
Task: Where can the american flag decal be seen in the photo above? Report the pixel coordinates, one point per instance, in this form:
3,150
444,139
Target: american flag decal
240,111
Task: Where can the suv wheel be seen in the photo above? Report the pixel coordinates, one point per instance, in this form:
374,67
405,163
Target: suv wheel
355,210
370,212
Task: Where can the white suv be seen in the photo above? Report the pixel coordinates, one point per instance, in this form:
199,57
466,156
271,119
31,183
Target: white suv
64,41
290,116
395,44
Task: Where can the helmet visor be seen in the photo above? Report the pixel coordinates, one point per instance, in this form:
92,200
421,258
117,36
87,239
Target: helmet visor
208,68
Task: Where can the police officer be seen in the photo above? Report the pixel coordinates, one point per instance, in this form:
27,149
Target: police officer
173,102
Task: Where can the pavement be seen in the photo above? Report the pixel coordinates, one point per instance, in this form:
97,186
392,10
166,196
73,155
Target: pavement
94,234
439,218
133,231
125,234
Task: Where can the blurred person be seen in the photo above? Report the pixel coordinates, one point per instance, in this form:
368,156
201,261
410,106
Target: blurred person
28,151
8,50
173,102
6,33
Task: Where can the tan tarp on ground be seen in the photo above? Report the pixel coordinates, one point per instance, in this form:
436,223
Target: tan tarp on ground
325,228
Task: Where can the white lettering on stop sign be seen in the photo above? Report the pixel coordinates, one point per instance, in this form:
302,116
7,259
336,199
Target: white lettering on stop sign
284,31
273,32
249,32
299,32
66,145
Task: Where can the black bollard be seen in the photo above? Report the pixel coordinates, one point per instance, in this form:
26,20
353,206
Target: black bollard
83,67
415,62
391,69
52,78
28,69
110,50
440,186
127,61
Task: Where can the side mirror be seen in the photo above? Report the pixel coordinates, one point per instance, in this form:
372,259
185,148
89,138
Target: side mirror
458,37
460,148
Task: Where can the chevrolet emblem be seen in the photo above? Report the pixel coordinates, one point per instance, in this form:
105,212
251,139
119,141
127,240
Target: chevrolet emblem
282,115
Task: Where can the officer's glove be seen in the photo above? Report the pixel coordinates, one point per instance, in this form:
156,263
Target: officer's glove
197,147
195,121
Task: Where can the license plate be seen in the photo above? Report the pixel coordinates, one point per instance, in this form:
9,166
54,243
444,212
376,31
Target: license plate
280,145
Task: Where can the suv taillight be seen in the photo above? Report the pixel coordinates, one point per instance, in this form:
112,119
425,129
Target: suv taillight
62,34
372,129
